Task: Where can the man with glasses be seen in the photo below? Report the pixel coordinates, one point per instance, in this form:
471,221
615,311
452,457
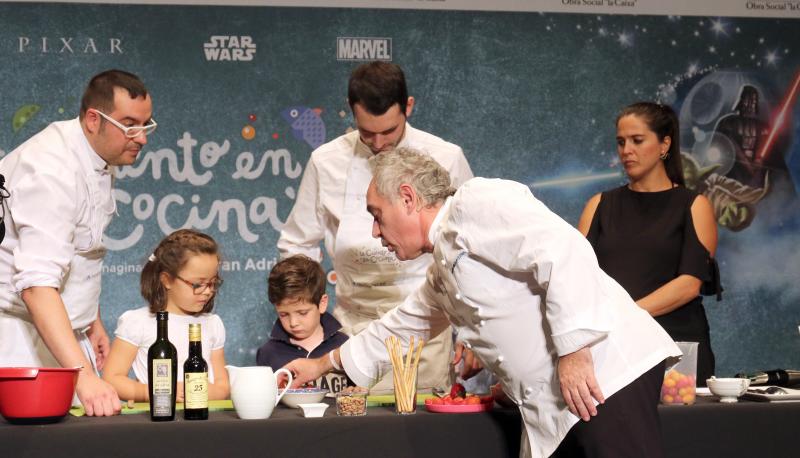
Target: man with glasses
370,281
60,184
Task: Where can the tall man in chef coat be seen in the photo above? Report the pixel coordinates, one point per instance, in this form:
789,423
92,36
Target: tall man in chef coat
330,208
60,184
524,291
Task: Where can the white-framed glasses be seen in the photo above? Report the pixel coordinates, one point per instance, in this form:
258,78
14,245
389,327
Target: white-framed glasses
132,131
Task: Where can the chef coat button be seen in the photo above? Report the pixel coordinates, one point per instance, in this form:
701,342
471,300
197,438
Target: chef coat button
528,391
444,263
482,323
458,296
500,359
519,402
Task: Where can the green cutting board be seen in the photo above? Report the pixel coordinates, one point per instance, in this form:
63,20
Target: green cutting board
142,407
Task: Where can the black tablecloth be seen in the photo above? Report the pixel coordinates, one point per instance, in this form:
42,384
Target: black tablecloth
706,429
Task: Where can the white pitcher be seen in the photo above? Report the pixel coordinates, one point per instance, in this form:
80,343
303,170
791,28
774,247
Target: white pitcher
254,390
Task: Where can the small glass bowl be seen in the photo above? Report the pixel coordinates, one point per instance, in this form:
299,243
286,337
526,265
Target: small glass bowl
351,404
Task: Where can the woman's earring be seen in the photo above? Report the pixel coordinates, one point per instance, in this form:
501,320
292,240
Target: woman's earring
664,155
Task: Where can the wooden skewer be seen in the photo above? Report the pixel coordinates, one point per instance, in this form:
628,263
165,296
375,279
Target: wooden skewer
404,393
412,375
397,366
404,371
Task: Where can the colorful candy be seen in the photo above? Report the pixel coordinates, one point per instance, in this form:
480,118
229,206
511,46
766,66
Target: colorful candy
678,388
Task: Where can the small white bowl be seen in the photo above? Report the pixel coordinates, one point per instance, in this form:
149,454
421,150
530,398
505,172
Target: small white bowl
294,397
316,409
728,389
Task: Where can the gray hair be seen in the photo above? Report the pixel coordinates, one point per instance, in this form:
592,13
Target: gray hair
430,180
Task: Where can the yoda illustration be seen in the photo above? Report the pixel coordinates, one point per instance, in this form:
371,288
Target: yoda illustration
734,203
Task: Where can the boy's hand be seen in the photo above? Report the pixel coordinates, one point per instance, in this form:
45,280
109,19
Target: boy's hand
305,370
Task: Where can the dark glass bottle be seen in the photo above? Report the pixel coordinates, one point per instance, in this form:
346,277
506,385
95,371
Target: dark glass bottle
195,379
779,377
162,373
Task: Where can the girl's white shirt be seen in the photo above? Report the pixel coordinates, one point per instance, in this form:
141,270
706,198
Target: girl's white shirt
138,327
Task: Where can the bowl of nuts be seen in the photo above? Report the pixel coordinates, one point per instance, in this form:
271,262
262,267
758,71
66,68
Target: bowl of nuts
352,401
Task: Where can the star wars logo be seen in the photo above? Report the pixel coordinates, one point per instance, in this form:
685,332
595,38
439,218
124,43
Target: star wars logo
230,48
69,45
359,48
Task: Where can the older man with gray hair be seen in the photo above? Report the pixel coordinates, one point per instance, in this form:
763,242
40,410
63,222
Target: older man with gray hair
524,291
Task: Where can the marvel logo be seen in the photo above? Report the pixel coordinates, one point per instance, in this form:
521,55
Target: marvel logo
359,48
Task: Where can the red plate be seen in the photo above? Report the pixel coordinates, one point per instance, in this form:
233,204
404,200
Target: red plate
462,408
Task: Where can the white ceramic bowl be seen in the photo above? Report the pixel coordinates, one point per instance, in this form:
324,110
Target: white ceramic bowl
728,389
293,398
316,409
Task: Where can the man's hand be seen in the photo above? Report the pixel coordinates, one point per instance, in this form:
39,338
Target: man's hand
101,344
180,392
471,366
305,370
98,397
500,396
52,322
578,384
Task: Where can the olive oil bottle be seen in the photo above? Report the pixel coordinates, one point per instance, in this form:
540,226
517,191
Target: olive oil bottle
162,373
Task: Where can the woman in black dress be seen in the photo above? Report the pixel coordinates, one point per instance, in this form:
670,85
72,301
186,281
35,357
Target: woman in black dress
654,236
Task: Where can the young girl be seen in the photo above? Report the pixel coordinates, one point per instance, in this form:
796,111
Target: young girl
181,277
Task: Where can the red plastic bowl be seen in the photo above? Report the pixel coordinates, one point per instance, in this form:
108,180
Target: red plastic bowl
36,394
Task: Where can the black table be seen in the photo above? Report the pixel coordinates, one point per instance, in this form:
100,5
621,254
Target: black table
706,429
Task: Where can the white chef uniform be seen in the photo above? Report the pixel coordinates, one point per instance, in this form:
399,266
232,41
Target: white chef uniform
521,287
331,206
60,204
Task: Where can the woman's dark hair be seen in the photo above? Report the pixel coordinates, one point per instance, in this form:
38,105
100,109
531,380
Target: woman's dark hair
99,93
170,256
377,86
663,121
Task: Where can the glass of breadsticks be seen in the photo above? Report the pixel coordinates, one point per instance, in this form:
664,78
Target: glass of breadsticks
404,371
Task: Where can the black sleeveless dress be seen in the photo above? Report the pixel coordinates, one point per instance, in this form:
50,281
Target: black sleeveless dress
643,240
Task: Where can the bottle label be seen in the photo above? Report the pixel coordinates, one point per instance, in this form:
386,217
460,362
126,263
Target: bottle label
162,387
196,390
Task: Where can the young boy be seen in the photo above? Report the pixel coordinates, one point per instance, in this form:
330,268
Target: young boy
303,329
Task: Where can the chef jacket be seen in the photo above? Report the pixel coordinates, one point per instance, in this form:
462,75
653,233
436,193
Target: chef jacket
60,203
370,281
521,287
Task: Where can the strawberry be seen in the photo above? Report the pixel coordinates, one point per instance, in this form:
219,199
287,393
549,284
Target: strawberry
457,391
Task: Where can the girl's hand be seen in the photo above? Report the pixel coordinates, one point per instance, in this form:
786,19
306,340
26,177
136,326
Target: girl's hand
179,394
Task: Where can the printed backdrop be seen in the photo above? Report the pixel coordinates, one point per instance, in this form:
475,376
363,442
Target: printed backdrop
243,95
